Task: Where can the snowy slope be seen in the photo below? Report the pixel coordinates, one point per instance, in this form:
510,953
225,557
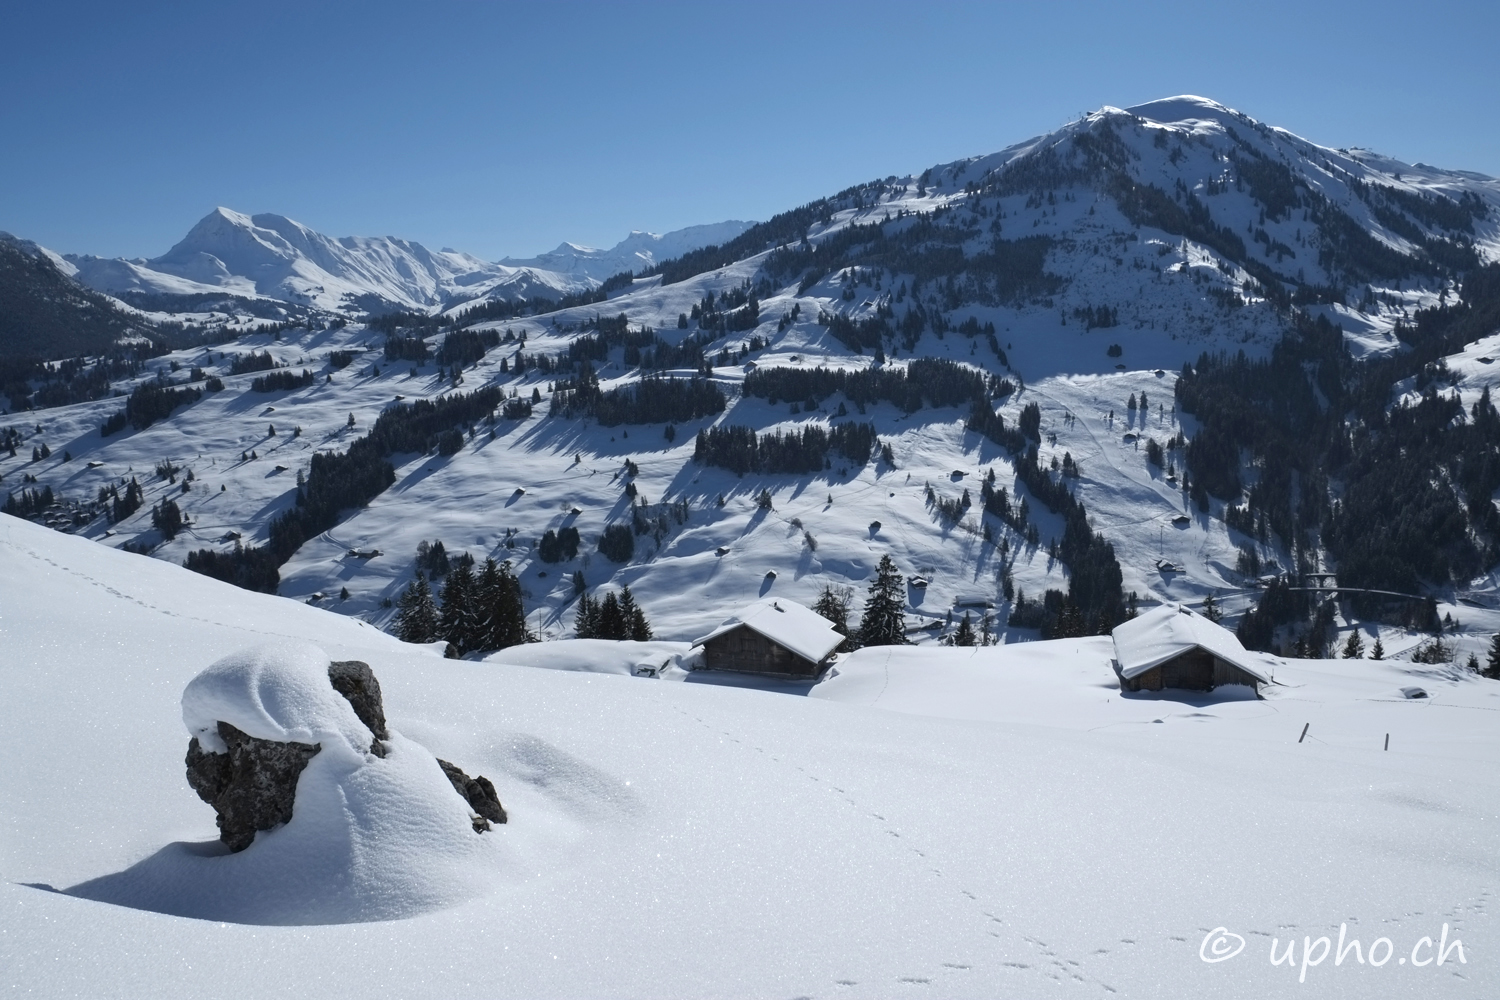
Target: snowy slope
969,823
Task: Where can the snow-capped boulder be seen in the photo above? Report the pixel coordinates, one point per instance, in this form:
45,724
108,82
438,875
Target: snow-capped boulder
258,717
326,813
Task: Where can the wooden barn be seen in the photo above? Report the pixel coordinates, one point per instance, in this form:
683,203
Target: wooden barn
777,637
1171,647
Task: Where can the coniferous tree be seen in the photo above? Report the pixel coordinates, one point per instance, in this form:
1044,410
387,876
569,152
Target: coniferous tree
1377,652
884,619
634,619
499,612
610,623
417,616
586,624
166,517
964,634
457,621
1354,649
125,506
1492,662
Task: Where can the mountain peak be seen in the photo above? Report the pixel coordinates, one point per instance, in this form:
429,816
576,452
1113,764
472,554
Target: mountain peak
1184,108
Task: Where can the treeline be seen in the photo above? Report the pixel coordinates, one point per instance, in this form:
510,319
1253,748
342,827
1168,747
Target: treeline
1094,576
930,248
932,382
30,503
73,380
338,481
406,348
149,402
255,361
282,379
619,618
463,348
642,348
735,311
741,450
651,400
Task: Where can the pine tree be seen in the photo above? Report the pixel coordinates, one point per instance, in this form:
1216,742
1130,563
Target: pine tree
884,620
634,619
586,624
1377,652
1492,662
417,617
987,635
1354,649
499,613
457,621
166,517
964,635
610,623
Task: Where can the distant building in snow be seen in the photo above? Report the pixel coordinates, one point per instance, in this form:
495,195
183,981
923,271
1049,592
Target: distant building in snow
1171,647
777,637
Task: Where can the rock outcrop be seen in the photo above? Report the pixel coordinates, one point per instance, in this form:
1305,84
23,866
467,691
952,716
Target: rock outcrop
479,793
356,682
252,786
252,783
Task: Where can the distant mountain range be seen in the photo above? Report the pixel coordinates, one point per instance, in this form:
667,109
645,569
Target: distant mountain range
271,256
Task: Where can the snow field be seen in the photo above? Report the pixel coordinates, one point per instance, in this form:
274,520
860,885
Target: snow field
973,823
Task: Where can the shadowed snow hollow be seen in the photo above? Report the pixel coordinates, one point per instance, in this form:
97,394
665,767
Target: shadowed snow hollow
370,838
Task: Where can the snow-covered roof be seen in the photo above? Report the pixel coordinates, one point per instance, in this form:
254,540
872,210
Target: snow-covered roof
786,623
1162,633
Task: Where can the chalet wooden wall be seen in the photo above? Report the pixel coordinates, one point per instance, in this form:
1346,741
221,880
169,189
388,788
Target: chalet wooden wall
1194,670
746,650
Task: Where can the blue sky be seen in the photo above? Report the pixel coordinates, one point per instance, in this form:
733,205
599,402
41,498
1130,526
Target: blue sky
503,129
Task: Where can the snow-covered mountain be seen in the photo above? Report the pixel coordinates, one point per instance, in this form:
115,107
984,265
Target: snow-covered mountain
638,252
1073,272
272,256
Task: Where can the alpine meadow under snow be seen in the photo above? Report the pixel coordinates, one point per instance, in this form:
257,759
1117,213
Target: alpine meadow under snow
1163,355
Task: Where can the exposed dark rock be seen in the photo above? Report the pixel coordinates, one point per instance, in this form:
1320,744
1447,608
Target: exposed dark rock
480,795
252,786
356,682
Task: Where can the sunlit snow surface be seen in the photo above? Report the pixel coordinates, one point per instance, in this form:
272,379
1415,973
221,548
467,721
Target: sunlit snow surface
984,823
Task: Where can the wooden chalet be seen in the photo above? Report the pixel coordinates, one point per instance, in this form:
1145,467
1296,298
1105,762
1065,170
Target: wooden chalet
775,637
1171,647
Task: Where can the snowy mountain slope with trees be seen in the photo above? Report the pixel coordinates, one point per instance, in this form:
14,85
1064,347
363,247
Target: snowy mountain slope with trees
1014,304
978,822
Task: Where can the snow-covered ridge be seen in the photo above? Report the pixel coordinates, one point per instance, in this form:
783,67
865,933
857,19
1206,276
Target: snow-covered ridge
271,256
